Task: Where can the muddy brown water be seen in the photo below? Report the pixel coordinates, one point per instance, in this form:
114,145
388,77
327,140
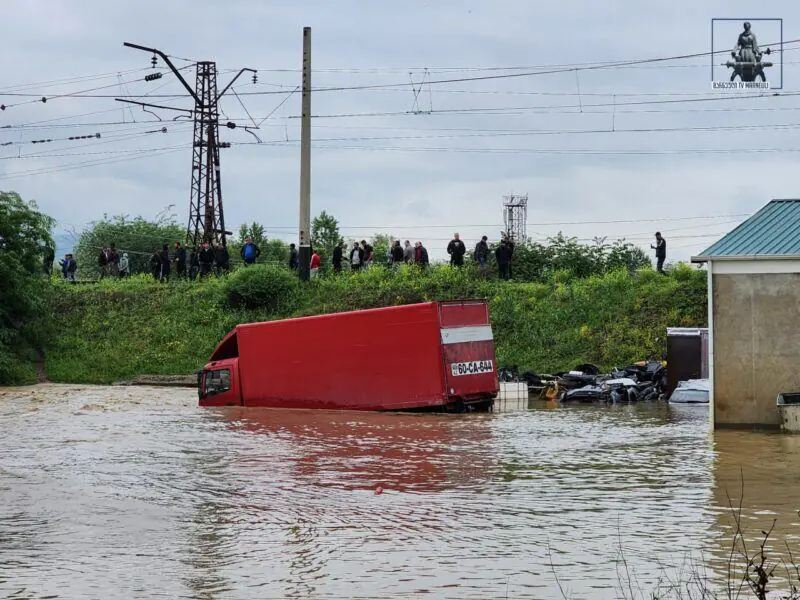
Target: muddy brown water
109,492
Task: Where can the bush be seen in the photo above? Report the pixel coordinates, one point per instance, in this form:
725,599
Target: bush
261,286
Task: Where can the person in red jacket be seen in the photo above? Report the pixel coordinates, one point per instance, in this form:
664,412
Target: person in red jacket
315,262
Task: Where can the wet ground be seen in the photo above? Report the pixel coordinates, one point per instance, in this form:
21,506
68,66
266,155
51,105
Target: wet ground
133,492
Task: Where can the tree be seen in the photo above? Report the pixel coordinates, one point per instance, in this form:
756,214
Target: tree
136,236
380,243
325,235
24,231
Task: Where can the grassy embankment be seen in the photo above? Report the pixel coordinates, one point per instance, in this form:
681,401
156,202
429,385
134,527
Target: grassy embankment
119,329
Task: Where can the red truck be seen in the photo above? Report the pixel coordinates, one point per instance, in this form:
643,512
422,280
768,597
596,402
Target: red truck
428,356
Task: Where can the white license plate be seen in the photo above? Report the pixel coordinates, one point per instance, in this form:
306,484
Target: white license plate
471,368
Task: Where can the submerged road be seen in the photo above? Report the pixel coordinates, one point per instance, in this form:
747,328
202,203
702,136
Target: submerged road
137,493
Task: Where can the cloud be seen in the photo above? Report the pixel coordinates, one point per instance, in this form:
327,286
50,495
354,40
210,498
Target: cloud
413,175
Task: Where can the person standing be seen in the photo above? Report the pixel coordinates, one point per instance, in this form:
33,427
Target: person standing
336,259
180,260
398,255
456,249
294,258
408,253
356,257
113,261
661,252
49,257
102,261
369,254
503,256
482,251
421,255
222,259
124,266
316,260
206,259
250,252
165,262
68,267
194,263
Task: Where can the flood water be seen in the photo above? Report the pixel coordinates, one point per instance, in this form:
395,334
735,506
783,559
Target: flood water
138,493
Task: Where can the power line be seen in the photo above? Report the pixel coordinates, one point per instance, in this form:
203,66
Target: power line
467,69
531,73
90,163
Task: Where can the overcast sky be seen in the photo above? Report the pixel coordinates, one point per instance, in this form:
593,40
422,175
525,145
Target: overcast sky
563,138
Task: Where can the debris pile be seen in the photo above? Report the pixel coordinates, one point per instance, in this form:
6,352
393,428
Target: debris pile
640,382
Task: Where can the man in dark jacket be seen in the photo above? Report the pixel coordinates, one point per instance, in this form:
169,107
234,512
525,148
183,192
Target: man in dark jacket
222,259
180,260
503,256
250,252
294,258
356,257
165,262
49,257
369,254
206,259
456,249
103,260
398,255
482,251
336,259
661,252
421,255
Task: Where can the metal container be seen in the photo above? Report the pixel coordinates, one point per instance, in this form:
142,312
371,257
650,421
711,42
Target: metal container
687,355
789,409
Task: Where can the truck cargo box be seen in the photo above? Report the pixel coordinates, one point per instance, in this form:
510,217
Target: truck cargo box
433,355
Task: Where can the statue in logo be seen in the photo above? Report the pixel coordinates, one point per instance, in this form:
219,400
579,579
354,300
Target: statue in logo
746,63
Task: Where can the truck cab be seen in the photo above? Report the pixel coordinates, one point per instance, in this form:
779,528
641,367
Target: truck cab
218,383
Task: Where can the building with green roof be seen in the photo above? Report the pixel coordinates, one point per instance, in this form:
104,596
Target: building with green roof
754,316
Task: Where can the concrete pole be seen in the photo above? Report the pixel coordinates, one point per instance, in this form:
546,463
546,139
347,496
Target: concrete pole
305,161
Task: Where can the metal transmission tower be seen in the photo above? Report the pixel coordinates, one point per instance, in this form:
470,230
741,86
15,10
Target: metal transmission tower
515,217
206,217
206,214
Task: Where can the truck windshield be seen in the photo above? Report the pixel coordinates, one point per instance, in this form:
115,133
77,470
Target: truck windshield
217,382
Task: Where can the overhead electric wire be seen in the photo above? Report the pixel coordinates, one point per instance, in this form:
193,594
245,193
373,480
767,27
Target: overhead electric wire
67,80
550,132
466,69
530,73
90,163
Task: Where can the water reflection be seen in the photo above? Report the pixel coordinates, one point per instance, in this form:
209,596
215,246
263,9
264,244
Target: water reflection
407,453
110,492
758,472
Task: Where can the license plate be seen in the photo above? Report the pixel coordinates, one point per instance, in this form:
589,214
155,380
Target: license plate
476,367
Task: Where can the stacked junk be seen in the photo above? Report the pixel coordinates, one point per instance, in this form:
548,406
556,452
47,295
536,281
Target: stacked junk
687,357
640,382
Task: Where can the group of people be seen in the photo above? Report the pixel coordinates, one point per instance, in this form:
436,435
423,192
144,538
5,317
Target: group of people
503,253
112,264
200,262
362,255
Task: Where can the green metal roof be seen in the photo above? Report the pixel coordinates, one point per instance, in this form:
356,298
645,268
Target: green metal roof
774,231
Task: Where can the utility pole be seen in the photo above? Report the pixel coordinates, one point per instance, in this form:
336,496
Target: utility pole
305,161
206,215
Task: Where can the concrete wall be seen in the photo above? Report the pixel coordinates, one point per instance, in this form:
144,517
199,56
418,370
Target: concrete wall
756,345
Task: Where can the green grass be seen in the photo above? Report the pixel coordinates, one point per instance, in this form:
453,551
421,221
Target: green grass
116,330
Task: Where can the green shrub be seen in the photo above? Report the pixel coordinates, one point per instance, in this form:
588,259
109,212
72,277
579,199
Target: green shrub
261,286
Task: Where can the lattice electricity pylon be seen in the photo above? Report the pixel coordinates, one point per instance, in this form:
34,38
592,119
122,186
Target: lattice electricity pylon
515,217
206,216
